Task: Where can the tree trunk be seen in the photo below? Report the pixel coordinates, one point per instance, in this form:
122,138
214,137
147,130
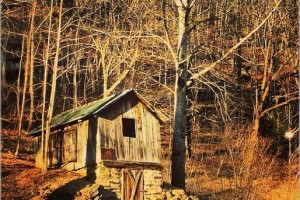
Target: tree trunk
75,97
75,70
46,53
189,123
253,138
178,151
3,61
31,90
105,75
53,89
27,63
252,145
180,125
19,77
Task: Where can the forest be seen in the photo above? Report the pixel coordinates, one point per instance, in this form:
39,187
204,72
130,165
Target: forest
225,73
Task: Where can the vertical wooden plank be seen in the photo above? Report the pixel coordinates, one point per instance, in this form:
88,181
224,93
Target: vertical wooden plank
98,144
142,187
83,133
126,148
140,146
128,184
86,128
104,133
107,132
151,135
135,145
136,185
126,139
154,139
119,140
122,184
143,143
143,136
158,149
146,136
157,139
82,144
133,141
112,131
105,139
78,147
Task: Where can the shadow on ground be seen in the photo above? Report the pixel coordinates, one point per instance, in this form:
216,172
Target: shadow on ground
74,189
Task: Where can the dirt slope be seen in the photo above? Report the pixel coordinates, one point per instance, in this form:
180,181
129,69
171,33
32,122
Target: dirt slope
21,180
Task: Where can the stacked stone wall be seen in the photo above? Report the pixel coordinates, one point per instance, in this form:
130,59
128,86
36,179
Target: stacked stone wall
109,183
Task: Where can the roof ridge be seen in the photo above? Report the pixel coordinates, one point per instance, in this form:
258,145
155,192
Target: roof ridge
92,108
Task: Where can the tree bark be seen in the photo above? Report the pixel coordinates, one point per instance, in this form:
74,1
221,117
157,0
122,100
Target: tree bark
46,54
26,74
3,61
180,125
31,84
53,88
75,70
19,77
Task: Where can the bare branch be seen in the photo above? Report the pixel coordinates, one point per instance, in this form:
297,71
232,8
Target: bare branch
120,79
210,67
277,106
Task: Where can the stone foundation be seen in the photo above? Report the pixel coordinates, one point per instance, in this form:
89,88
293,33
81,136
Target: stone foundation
109,183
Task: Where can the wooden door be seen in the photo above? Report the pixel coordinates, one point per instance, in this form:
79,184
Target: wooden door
132,184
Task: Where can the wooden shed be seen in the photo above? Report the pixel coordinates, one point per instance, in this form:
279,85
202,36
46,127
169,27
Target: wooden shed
119,136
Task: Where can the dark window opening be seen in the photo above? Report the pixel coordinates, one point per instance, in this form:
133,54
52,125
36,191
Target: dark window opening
128,127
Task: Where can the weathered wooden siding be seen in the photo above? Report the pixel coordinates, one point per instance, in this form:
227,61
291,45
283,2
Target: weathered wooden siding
82,135
127,167
145,147
68,147
101,137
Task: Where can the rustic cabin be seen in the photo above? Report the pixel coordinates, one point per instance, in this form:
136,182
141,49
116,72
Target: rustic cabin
119,136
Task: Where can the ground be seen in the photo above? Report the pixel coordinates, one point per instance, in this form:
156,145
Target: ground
21,180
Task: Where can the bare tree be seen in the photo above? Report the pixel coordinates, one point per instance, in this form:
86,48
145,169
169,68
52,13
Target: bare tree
28,63
53,87
273,66
180,108
183,81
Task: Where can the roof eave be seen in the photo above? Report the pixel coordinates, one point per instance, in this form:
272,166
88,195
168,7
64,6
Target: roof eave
159,115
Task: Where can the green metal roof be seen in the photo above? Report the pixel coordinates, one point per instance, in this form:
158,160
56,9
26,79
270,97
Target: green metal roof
93,108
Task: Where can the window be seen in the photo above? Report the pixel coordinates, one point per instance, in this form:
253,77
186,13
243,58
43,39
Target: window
128,127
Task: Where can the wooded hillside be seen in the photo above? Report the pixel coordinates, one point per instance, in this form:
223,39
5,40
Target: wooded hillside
232,121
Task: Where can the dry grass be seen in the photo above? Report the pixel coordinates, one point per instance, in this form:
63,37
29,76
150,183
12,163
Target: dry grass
218,165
